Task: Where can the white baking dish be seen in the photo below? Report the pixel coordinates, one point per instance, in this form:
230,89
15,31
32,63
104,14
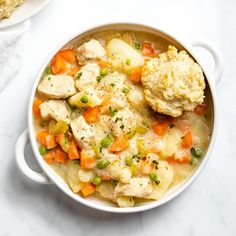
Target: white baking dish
49,176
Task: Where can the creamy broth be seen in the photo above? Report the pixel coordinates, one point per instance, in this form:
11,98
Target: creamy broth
128,153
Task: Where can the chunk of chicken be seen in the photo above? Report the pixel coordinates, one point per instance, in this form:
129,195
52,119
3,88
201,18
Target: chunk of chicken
106,190
57,86
124,120
138,187
165,175
91,50
88,76
83,132
55,109
122,56
93,99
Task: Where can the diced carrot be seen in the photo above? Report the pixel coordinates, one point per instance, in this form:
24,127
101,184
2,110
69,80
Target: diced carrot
146,167
73,71
91,114
60,156
183,160
148,49
49,157
88,189
187,140
36,104
73,152
160,127
104,64
86,162
68,55
155,150
200,109
119,144
48,140
58,65
136,74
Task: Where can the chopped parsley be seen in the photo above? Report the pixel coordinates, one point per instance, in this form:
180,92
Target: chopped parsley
117,119
156,163
112,85
137,46
113,111
79,75
125,90
99,78
122,126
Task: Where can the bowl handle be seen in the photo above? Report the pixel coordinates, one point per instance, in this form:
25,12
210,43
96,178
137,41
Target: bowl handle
218,68
21,143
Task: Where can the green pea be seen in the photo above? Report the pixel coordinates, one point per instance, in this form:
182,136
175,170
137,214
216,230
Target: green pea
196,152
43,150
96,180
84,99
48,70
128,62
193,161
128,161
153,176
105,142
103,72
101,164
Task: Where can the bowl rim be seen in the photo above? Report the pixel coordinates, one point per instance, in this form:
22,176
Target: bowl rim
54,177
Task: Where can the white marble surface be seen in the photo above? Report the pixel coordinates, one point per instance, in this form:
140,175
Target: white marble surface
208,207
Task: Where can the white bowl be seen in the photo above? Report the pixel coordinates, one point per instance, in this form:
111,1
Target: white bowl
28,9
51,177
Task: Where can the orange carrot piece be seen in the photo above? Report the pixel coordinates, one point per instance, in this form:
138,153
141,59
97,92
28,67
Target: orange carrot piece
49,157
88,189
73,152
36,104
187,140
184,160
91,114
148,49
146,167
104,64
136,74
119,144
48,140
68,55
73,71
86,162
160,127
58,65
200,109
60,156
155,150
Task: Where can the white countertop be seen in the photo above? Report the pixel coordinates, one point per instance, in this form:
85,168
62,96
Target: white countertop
207,207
